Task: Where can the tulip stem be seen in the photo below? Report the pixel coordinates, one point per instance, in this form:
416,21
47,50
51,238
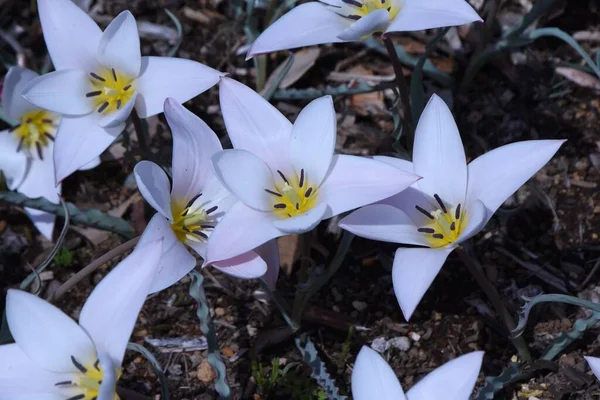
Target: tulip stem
494,297
141,131
407,122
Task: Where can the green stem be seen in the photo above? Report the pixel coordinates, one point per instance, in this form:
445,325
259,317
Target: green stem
140,132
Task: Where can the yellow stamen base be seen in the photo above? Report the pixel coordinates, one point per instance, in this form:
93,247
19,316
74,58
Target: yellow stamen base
445,224
294,196
87,382
110,90
356,9
35,131
191,222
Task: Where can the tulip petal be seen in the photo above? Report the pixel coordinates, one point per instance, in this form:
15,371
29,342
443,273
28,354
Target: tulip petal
454,380
253,124
355,181
194,143
153,184
28,315
496,175
313,139
407,200
61,91
383,222
13,164
71,35
79,141
91,165
417,15
162,77
399,163
246,176
269,252
111,310
303,222
119,46
594,363
305,25
12,102
246,266
241,230
375,21
413,272
175,261
476,219
373,378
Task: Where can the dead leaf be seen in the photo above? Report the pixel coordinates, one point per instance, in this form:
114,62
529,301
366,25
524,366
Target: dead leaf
579,77
303,61
289,251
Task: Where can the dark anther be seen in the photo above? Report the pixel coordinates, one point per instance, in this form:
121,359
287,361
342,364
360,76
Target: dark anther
63,383
457,212
126,88
118,104
185,229
426,230
20,144
77,365
96,76
211,210
354,17
38,146
282,176
95,398
49,136
28,121
389,9
189,204
200,233
97,365
301,178
114,74
424,212
297,206
308,192
78,397
207,226
441,203
438,236
354,3
453,225
47,121
273,193
14,128
94,93
103,106
279,205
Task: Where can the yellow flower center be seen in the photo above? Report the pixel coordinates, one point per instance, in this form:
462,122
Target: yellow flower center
293,196
192,222
110,90
35,131
445,226
356,9
87,382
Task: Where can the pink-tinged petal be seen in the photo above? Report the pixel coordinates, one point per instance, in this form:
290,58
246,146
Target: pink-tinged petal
413,272
13,164
439,156
477,217
355,181
62,338
373,378
269,252
241,230
119,46
375,21
496,175
71,35
194,143
399,163
246,176
61,91
23,379
153,184
454,380
385,223
594,363
313,139
79,141
253,124
305,25
246,266
303,222
162,77
175,260
112,309
13,103
417,15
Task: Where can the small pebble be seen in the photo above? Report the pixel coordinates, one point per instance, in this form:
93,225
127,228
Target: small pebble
359,305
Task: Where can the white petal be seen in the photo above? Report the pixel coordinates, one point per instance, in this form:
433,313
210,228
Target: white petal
194,143
71,35
305,25
373,378
439,156
375,21
417,15
304,222
79,141
454,380
13,164
408,199
496,175
253,124
399,163
62,338
108,385
153,184
61,91
91,165
313,139
241,230
594,363
477,217
383,222
119,46
12,102
413,272
246,266
175,261
215,194
43,221
246,176
355,181
162,77
109,314
269,252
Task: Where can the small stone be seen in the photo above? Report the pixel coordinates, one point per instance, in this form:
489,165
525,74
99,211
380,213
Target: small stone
401,343
175,370
380,345
359,305
251,330
227,351
414,336
205,372
219,311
